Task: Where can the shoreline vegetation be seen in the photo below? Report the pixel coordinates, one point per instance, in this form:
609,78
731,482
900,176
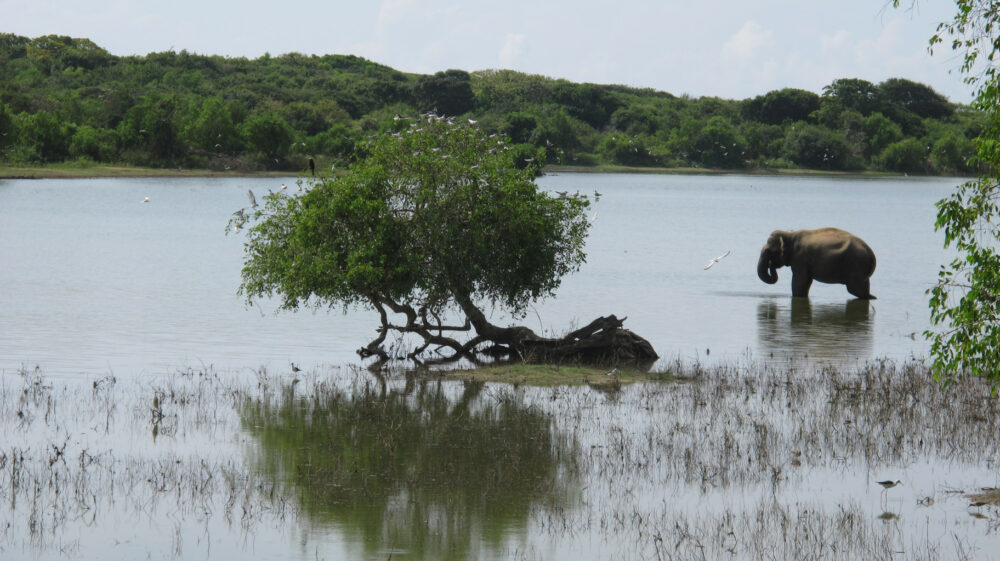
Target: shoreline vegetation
93,171
68,101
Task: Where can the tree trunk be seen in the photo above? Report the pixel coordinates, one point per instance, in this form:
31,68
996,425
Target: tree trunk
602,342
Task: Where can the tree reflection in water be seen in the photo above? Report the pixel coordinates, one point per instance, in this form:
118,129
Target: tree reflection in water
435,469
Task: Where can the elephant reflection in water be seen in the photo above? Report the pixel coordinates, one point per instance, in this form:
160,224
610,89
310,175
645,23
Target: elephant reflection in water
797,329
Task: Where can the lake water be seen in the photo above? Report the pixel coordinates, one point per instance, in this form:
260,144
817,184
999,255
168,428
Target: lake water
163,420
96,281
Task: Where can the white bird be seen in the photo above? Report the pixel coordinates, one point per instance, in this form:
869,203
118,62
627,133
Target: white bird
716,260
471,122
146,200
283,187
253,199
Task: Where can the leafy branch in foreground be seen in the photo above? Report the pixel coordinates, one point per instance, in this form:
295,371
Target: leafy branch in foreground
966,299
435,221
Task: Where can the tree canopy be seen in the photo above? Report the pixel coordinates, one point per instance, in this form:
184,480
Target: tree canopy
275,112
435,222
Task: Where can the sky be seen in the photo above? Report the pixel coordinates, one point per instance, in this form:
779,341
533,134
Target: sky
733,49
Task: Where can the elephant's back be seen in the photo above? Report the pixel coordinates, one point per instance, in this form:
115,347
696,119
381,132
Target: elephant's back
851,251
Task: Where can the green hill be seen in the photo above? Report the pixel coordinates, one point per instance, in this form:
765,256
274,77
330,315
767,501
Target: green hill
64,99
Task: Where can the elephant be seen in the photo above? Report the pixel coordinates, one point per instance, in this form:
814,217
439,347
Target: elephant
828,255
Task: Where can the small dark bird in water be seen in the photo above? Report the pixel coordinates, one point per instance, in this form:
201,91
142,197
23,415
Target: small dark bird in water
295,368
312,166
888,484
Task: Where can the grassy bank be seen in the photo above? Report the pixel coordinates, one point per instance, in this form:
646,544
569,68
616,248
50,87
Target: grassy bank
77,170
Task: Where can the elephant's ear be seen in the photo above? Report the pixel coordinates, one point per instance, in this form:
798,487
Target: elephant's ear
781,251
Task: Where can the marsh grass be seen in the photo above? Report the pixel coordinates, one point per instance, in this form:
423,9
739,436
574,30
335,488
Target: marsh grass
743,461
556,375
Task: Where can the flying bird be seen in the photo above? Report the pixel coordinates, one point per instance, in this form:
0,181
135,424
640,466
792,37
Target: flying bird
253,199
715,260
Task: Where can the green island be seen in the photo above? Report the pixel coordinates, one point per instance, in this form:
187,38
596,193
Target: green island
68,108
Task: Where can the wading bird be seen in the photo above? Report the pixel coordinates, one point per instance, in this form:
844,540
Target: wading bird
888,484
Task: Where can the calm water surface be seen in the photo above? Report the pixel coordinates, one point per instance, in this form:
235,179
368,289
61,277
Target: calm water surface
97,281
163,421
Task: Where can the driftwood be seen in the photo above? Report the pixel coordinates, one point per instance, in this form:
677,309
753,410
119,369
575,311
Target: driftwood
601,342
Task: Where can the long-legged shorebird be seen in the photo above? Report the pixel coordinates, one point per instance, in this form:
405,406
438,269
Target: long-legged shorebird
888,484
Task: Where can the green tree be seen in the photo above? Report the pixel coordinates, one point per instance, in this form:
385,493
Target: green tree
519,126
718,145
789,104
435,219
6,126
213,128
337,142
815,147
448,92
917,98
45,137
909,155
635,119
590,103
99,145
952,153
853,93
626,150
270,135
880,132
965,302
149,130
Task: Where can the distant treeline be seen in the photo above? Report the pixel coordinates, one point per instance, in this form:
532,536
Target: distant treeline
65,99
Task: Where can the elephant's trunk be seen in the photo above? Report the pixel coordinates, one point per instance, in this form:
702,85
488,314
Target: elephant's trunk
765,270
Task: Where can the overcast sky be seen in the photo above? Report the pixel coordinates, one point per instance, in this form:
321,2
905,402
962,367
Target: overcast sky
728,48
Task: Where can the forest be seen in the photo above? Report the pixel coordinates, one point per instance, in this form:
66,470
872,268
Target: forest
67,100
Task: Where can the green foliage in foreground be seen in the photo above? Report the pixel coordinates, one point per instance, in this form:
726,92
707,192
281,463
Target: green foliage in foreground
66,99
437,216
965,302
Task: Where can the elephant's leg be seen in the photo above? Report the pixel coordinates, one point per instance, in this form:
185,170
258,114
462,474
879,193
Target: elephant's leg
860,288
801,282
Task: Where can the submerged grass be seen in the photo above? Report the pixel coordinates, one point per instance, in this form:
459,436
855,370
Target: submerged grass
557,375
739,462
